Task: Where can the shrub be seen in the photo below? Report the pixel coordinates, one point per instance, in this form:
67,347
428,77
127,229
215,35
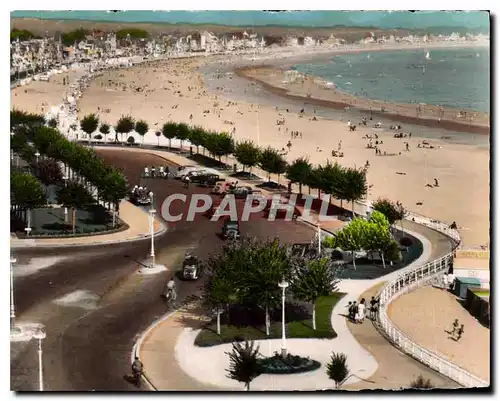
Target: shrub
421,383
406,241
98,137
392,254
130,140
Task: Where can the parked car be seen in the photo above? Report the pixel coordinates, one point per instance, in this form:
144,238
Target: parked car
240,192
206,179
191,267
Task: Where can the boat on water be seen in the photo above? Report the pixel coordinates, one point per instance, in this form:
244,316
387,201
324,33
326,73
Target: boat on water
427,56
477,55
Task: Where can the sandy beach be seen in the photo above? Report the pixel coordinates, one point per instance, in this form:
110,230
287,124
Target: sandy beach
174,90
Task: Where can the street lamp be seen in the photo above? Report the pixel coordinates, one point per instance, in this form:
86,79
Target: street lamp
283,285
12,307
37,155
40,335
152,212
65,178
319,239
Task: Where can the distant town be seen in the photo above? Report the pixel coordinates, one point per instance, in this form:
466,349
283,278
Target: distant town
31,54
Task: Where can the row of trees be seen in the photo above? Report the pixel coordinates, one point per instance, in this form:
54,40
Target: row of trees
87,172
371,235
248,272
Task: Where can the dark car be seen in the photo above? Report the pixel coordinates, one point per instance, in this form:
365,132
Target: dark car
231,229
240,192
206,180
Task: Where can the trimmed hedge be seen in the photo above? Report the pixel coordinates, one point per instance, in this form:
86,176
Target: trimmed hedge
290,364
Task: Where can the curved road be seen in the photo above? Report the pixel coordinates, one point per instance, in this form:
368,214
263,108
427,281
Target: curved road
88,345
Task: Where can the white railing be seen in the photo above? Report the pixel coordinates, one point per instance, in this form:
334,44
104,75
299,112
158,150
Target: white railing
409,281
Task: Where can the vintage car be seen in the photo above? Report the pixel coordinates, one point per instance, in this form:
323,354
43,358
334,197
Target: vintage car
140,196
230,229
191,267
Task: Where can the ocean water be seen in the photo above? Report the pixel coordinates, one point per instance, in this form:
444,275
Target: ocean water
457,78
474,20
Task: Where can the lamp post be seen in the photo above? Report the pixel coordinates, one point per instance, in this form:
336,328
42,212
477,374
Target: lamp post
40,335
319,239
283,285
11,150
152,212
37,155
65,178
28,228
12,307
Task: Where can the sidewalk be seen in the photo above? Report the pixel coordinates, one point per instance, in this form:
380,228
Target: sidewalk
134,217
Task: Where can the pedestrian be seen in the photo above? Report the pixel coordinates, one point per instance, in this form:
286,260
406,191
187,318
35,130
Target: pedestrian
187,180
451,281
436,183
445,280
373,308
407,147
348,306
361,311
460,331
454,327
352,312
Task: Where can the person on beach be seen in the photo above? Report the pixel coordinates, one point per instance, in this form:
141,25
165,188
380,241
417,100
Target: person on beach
453,226
454,327
436,183
349,123
460,331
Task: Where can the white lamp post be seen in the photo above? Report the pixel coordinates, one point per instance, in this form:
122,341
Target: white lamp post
12,150
152,212
12,307
28,228
283,285
319,239
65,178
37,155
40,335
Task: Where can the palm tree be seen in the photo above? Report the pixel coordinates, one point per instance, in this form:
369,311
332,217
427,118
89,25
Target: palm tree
89,124
314,279
104,129
299,171
124,125
141,128
244,364
169,131
337,369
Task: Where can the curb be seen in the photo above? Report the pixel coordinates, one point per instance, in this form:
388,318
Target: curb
33,245
136,349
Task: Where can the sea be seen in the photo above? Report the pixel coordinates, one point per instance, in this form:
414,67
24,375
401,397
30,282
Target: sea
432,21
455,78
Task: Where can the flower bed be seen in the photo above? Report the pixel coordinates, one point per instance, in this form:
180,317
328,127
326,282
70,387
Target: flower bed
278,365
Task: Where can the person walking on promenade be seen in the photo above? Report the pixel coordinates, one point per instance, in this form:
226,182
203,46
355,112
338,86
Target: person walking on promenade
445,280
361,311
451,281
373,308
352,312
454,327
137,370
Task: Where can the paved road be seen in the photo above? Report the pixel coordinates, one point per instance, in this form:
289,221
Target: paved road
88,346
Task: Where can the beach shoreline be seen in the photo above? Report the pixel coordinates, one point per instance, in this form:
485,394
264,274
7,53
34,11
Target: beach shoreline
312,91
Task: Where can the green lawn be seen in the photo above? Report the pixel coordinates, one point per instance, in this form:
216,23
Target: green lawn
295,329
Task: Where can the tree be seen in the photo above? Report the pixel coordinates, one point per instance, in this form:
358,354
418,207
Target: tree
182,132
26,192
353,185
272,162
299,171
331,180
197,137
124,125
337,369
421,383
314,279
48,171
141,127
52,123
158,134
222,145
169,131
74,195
314,180
393,211
89,124
244,363
247,154
351,238
378,237
105,129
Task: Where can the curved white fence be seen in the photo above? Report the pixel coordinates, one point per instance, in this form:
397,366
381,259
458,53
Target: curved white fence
409,281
